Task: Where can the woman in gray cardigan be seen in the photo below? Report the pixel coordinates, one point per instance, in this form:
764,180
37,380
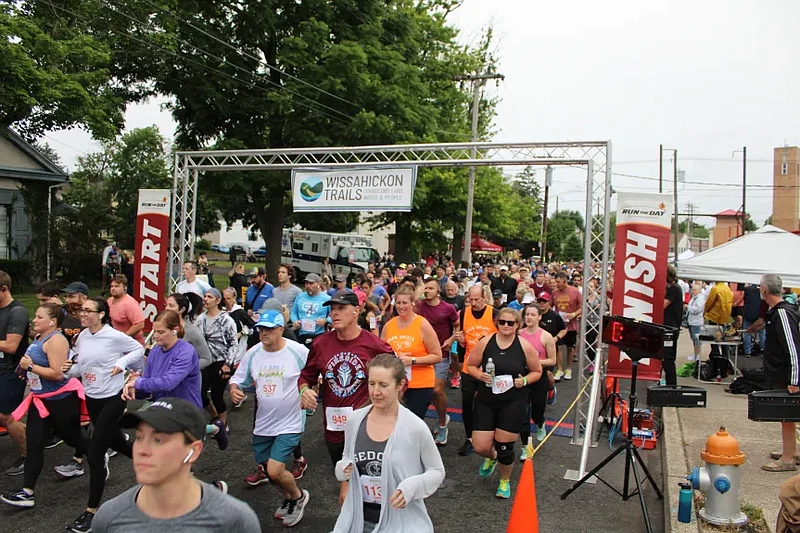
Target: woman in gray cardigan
390,460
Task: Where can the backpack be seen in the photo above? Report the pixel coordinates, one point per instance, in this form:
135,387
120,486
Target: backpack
742,385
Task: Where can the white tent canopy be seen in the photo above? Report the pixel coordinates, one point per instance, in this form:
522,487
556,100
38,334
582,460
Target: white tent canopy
769,250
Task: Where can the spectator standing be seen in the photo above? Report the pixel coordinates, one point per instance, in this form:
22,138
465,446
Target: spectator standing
673,316
126,314
127,269
238,281
694,318
719,304
752,303
781,363
104,264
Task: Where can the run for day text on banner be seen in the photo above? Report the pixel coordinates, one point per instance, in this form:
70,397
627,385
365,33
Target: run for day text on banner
640,271
152,247
379,189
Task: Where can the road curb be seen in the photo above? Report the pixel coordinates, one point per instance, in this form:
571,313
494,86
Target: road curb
676,467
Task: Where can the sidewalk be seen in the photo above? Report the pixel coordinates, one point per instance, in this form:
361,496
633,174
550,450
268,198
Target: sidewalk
685,434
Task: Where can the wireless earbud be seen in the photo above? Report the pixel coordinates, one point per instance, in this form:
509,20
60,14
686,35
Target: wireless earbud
174,333
191,452
52,322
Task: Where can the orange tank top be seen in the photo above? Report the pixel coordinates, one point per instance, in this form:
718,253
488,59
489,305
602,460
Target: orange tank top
475,329
408,342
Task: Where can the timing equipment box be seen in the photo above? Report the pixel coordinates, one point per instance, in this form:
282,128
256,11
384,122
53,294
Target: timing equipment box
773,406
678,396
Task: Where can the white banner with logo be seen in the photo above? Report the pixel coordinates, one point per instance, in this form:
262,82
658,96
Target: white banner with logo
380,189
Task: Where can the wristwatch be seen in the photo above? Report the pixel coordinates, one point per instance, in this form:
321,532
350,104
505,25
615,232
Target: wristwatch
413,360
30,367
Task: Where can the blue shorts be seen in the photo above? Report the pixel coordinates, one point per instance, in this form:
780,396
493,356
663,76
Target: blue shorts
442,368
12,391
280,448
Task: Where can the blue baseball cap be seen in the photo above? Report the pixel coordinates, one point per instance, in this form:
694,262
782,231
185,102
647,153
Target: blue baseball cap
270,319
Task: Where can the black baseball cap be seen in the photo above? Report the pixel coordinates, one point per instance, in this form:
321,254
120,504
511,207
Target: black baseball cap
257,272
168,415
76,287
344,297
497,293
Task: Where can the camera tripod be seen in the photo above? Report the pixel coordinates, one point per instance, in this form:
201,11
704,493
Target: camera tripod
631,458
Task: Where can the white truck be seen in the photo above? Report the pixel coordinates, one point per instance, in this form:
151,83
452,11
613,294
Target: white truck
348,253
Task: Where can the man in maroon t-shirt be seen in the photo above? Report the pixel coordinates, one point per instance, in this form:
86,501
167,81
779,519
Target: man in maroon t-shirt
341,356
443,317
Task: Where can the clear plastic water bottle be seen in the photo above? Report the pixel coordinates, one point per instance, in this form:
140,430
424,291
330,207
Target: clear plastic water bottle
490,370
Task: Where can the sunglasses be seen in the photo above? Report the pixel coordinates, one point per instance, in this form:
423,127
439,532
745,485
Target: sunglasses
507,322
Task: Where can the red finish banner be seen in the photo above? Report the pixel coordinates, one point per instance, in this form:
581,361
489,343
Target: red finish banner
152,247
640,271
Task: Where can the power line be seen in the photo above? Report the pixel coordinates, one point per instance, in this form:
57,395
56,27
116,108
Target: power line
251,56
152,45
107,5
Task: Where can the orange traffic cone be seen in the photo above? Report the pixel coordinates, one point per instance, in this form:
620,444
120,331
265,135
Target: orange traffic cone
524,515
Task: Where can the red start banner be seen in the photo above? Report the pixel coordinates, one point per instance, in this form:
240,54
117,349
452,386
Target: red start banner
640,271
152,247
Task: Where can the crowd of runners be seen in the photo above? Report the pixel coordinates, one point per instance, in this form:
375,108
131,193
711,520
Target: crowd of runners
369,354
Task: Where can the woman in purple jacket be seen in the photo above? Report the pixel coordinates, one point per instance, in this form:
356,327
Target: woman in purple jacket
172,369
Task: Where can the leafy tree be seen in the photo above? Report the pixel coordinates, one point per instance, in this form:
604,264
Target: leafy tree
749,225
58,71
572,215
558,231
698,230
768,221
573,248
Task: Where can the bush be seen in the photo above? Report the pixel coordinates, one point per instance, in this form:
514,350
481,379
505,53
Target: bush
20,272
202,245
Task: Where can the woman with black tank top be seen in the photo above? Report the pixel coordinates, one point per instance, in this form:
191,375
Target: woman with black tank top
502,400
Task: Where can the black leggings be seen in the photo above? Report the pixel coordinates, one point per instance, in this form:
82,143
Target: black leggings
214,383
418,400
469,388
65,418
538,402
105,414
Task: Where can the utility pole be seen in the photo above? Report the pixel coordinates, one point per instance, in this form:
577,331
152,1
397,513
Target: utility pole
660,168
744,185
675,203
478,81
548,180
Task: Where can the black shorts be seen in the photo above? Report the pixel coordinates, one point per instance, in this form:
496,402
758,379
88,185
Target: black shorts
12,391
489,416
335,450
569,340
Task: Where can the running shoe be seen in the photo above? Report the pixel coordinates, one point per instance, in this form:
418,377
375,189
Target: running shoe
221,436
220,486
524,455
54,441
295,511
568,374
551,396
455,382
17,468
487,468
299,467
558,375
310,412
105,465
259,477
238,405
82,524
72,469
466,449
442,432
19,499
541,433
283,510
504,489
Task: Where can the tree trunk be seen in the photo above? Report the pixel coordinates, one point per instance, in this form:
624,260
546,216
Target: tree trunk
270,222
458,246
402,241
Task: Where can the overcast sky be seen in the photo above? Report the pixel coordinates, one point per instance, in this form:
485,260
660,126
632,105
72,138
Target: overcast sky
705,78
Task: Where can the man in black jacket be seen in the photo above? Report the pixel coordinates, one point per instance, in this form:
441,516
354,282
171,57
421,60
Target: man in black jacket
781,363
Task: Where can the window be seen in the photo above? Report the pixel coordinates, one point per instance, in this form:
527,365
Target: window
297,245
5,232
784,168
314,247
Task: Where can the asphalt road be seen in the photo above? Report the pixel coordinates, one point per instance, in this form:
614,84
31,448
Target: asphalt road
464,502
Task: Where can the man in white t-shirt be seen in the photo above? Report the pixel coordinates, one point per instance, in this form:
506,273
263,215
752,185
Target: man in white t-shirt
190,282
274,366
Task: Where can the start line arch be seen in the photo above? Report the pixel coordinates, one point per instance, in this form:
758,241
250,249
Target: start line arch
595,156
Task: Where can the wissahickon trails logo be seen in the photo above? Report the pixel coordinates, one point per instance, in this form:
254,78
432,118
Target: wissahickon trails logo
311,189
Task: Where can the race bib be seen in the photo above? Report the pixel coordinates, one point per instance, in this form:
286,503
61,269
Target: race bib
271,389
371,489
408,373
501,384
308,325
336,417
89,376
564,316
34,382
